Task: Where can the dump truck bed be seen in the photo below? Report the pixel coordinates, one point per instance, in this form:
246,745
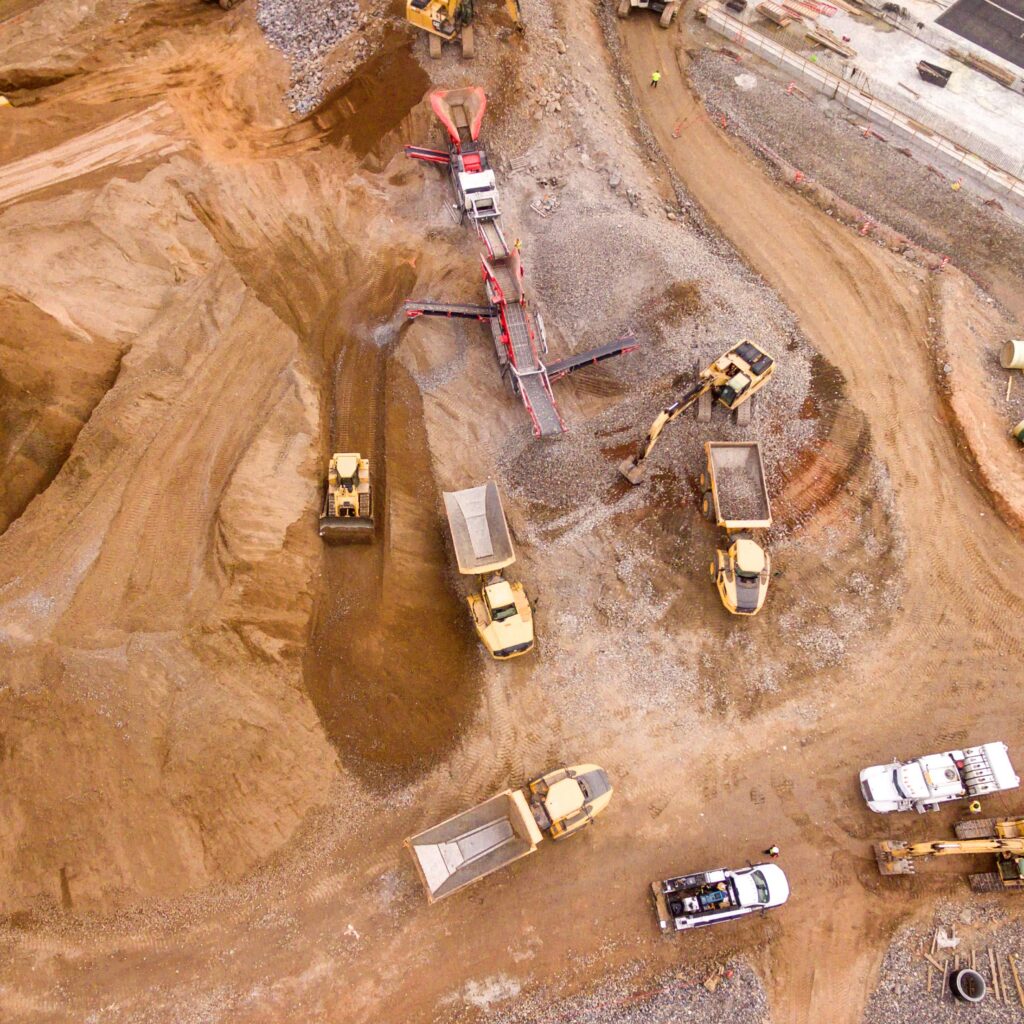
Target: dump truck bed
474,843
479,530
737,485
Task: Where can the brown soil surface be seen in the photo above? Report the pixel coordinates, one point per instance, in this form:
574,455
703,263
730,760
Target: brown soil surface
217,730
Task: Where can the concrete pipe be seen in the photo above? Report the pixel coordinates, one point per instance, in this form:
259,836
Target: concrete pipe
967,985
1012,355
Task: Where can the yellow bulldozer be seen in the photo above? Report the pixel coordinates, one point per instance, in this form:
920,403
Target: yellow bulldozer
448,21
347,511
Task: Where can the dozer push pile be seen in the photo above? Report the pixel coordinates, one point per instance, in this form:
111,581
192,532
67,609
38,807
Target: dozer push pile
347,512
731,380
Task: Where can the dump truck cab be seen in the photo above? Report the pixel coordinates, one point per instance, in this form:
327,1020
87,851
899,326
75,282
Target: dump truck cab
503,618
568,799
741,574
347,511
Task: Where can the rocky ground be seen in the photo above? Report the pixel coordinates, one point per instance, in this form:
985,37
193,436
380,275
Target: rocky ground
734,996
910,989
827,143
218,732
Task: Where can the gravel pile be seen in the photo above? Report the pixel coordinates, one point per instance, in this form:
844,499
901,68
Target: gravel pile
817,136
628,998
902,995
306,31
739,492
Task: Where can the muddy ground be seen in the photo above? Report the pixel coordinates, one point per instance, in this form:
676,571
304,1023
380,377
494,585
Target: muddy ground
218,730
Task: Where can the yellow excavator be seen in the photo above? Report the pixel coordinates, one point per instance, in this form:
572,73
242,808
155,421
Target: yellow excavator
1002,836
731,380
446,21
347,511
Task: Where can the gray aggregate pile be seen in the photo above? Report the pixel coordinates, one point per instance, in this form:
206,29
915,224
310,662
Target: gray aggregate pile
626,998
902,995
306,31
818,138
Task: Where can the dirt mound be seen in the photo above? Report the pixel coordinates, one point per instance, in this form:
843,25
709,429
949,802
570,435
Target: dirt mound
51,378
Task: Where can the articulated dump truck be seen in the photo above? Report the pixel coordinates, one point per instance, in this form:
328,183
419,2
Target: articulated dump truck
735,498
507,827
501,611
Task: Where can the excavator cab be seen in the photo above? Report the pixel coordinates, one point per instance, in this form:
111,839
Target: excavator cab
443,21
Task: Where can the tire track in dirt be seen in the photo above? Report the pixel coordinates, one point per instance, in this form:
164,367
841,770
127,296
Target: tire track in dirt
872,324
148,134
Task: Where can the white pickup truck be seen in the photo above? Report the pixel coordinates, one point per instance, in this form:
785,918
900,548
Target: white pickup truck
710,897
925,782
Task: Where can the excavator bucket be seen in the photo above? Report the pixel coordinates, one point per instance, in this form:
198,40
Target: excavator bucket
891,857
634,472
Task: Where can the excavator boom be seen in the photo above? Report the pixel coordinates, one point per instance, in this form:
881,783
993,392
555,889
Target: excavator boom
633,469
896,857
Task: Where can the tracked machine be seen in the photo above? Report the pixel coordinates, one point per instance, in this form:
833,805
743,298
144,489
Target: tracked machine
731,381
444,21
1003,837
665,9
347,511
520,342
449,21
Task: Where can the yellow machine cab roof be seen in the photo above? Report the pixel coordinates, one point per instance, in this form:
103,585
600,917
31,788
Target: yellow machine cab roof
749,556
563,799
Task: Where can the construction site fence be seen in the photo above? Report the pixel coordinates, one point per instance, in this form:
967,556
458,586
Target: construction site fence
972,156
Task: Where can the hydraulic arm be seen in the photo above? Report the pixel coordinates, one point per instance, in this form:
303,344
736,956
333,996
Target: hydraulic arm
633,469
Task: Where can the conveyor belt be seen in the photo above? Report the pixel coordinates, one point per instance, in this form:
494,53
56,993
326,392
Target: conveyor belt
492,236
468,312
619,347
536,395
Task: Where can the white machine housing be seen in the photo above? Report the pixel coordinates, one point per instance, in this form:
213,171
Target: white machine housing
478,194
925,782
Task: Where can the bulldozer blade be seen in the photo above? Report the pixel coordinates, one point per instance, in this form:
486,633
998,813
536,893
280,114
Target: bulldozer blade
346,529
632,472
888,854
